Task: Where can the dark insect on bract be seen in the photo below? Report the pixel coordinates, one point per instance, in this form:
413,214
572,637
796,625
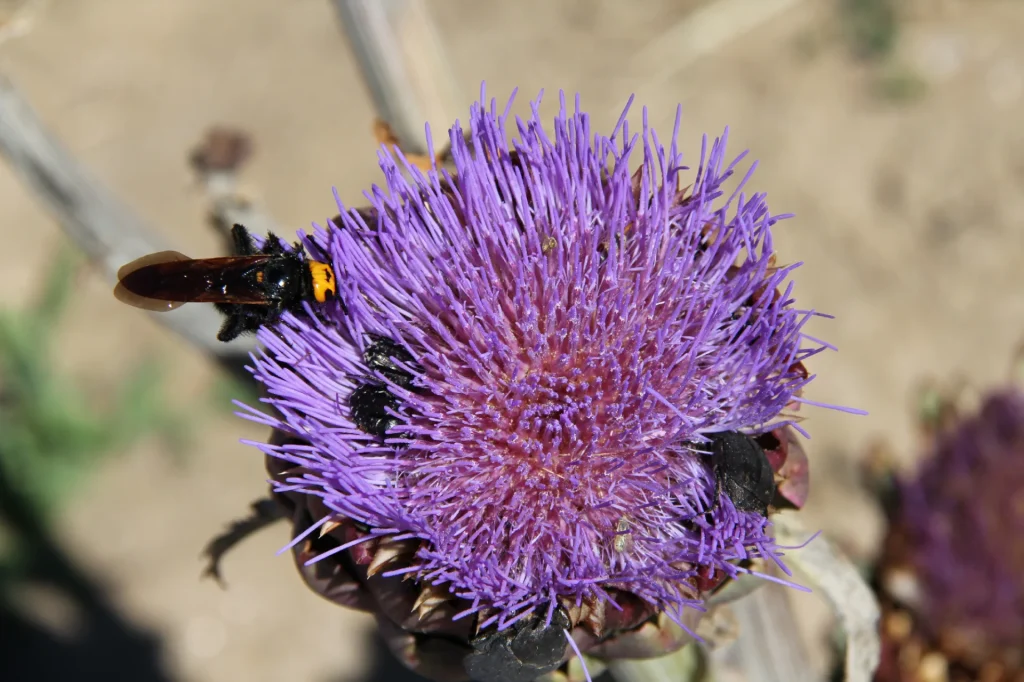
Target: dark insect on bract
251,288
742,471
520,653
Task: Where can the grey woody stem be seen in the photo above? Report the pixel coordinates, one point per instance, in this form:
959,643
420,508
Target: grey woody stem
403,64
108,232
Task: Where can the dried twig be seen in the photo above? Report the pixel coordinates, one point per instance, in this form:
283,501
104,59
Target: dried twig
217,160
702,32
106,230
404,66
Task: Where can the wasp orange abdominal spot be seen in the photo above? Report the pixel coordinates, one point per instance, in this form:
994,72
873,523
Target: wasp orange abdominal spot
532,349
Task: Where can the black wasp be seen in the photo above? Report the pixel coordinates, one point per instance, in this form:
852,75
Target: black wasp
742,471
251,288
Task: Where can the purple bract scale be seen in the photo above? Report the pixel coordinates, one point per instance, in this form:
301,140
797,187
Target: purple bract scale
576,330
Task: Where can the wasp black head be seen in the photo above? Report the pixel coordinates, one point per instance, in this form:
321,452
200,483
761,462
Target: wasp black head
520,653
742,471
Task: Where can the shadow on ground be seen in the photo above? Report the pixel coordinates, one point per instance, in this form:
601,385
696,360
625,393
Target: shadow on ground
100,644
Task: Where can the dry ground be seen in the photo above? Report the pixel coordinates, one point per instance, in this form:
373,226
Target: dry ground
909,219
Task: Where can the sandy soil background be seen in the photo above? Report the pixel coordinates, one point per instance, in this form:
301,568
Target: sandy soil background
909,219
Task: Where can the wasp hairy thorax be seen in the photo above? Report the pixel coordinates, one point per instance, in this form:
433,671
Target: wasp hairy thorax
251,288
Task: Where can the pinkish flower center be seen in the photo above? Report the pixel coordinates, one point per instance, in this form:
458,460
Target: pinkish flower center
544,411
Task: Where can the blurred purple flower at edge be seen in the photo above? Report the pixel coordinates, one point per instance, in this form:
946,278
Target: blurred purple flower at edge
951,576
548,339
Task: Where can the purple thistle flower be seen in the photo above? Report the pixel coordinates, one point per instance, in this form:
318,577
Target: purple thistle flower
957,535
567,333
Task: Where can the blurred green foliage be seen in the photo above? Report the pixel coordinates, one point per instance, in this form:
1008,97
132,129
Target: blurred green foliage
871,27
899,84
52,434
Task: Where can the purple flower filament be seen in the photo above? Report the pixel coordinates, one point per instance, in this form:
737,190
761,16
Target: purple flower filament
574,333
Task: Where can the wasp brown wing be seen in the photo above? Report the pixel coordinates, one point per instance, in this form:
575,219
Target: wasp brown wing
126,295
150,259
166,280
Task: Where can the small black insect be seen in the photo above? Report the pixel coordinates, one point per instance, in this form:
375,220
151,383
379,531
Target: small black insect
251,288
378,356
520,653
742,471
369,408
370,402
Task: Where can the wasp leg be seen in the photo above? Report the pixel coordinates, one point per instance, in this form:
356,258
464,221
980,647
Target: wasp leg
233,327
240,319
242,241
272,246
264,512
